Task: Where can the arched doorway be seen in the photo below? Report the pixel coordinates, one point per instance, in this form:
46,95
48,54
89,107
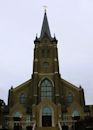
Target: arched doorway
75,115
46,117
17,121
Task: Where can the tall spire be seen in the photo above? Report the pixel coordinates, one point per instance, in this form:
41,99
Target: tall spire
45,27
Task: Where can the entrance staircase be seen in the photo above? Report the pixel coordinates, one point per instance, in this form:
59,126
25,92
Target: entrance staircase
46,128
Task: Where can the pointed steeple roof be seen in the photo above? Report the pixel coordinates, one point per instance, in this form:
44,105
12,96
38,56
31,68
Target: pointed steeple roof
45,27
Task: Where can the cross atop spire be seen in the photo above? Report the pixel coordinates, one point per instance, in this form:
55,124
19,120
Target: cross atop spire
45,8
45,27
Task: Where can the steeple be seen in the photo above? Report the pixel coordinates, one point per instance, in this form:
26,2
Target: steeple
45,27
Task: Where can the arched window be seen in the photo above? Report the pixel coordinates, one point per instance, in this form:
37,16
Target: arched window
23,98
17,114
69,98
46,89
75,115
46,111
45,65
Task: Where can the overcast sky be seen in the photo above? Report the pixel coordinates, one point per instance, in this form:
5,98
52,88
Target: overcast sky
72,23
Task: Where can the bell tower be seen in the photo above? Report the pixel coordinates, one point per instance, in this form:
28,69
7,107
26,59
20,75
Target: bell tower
45,51
45,63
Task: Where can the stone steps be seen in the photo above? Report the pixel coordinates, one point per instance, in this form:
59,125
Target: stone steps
47,128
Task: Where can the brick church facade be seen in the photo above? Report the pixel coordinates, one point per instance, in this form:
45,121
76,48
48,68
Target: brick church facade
46,100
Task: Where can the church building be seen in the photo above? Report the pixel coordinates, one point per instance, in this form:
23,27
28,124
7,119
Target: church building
46,101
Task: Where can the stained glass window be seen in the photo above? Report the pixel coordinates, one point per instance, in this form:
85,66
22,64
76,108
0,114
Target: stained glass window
46,89
23,98
70,98
47,111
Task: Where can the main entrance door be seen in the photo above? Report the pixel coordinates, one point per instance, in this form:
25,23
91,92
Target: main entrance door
47,117
46,121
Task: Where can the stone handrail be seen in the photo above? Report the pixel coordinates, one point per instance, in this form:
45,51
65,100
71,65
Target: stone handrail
34,125
59,125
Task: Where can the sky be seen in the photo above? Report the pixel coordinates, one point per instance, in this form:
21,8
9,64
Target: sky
72,23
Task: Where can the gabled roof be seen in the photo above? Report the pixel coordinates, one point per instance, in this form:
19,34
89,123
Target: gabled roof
22,85
70,84
45,27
